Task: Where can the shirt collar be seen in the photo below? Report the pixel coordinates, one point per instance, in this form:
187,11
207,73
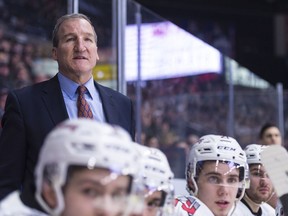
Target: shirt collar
70,87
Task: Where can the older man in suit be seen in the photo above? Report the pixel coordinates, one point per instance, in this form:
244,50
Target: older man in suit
33,111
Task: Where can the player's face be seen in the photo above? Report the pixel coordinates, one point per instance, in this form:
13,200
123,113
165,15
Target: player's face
261,188
95,193
217,187
153,201
271,135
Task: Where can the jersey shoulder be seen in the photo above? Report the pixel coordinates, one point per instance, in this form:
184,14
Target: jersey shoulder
267,210
241,210
12,205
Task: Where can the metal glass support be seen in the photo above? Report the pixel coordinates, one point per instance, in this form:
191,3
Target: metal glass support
72,6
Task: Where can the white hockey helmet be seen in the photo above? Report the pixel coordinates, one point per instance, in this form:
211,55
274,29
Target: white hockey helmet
155,173
215,148
83,142
253,153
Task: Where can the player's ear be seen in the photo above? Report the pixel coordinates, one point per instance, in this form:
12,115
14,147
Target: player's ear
54,53
97,55
191,185
49,195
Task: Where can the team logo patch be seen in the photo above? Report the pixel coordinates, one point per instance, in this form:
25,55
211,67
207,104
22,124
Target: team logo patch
189,204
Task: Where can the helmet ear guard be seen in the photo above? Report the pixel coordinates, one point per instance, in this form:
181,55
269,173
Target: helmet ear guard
244,178
191,186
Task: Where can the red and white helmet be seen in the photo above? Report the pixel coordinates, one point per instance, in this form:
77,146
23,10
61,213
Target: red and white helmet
215,148
83,142
155,173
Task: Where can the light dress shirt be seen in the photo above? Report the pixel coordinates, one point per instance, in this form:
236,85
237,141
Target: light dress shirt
70,95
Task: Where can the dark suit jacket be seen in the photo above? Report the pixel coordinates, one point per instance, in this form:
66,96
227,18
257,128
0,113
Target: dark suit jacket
31,113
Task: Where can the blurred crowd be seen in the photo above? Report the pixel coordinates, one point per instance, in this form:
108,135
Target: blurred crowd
175,112
17,56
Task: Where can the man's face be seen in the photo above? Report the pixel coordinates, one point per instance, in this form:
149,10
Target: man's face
77,50
271,136
95,193
153,201
217,187
261,187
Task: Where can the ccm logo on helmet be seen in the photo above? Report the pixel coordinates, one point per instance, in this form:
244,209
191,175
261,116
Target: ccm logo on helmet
226,148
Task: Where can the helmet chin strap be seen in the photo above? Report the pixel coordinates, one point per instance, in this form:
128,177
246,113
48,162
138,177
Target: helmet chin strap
270,197
233,209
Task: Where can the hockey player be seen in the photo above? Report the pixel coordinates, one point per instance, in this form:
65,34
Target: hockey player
156,175
87,168
90,172
261,188
215,176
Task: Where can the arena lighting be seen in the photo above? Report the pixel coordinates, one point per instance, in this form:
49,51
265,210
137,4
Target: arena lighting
242,76
168,51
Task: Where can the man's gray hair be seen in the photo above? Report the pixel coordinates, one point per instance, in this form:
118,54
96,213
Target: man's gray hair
55,38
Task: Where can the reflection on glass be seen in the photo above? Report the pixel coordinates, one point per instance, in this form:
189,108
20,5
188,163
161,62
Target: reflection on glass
185,87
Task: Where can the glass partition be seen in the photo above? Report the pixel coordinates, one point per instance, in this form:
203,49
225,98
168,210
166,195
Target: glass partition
184,88
181,86
101,14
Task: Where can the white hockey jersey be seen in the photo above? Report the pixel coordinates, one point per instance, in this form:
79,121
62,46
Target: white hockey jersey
190,206
13,206
243,210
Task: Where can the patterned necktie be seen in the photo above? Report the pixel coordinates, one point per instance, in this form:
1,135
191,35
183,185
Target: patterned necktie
83,107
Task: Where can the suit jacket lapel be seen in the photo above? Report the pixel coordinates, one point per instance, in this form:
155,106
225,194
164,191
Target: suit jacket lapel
108,105
53,100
